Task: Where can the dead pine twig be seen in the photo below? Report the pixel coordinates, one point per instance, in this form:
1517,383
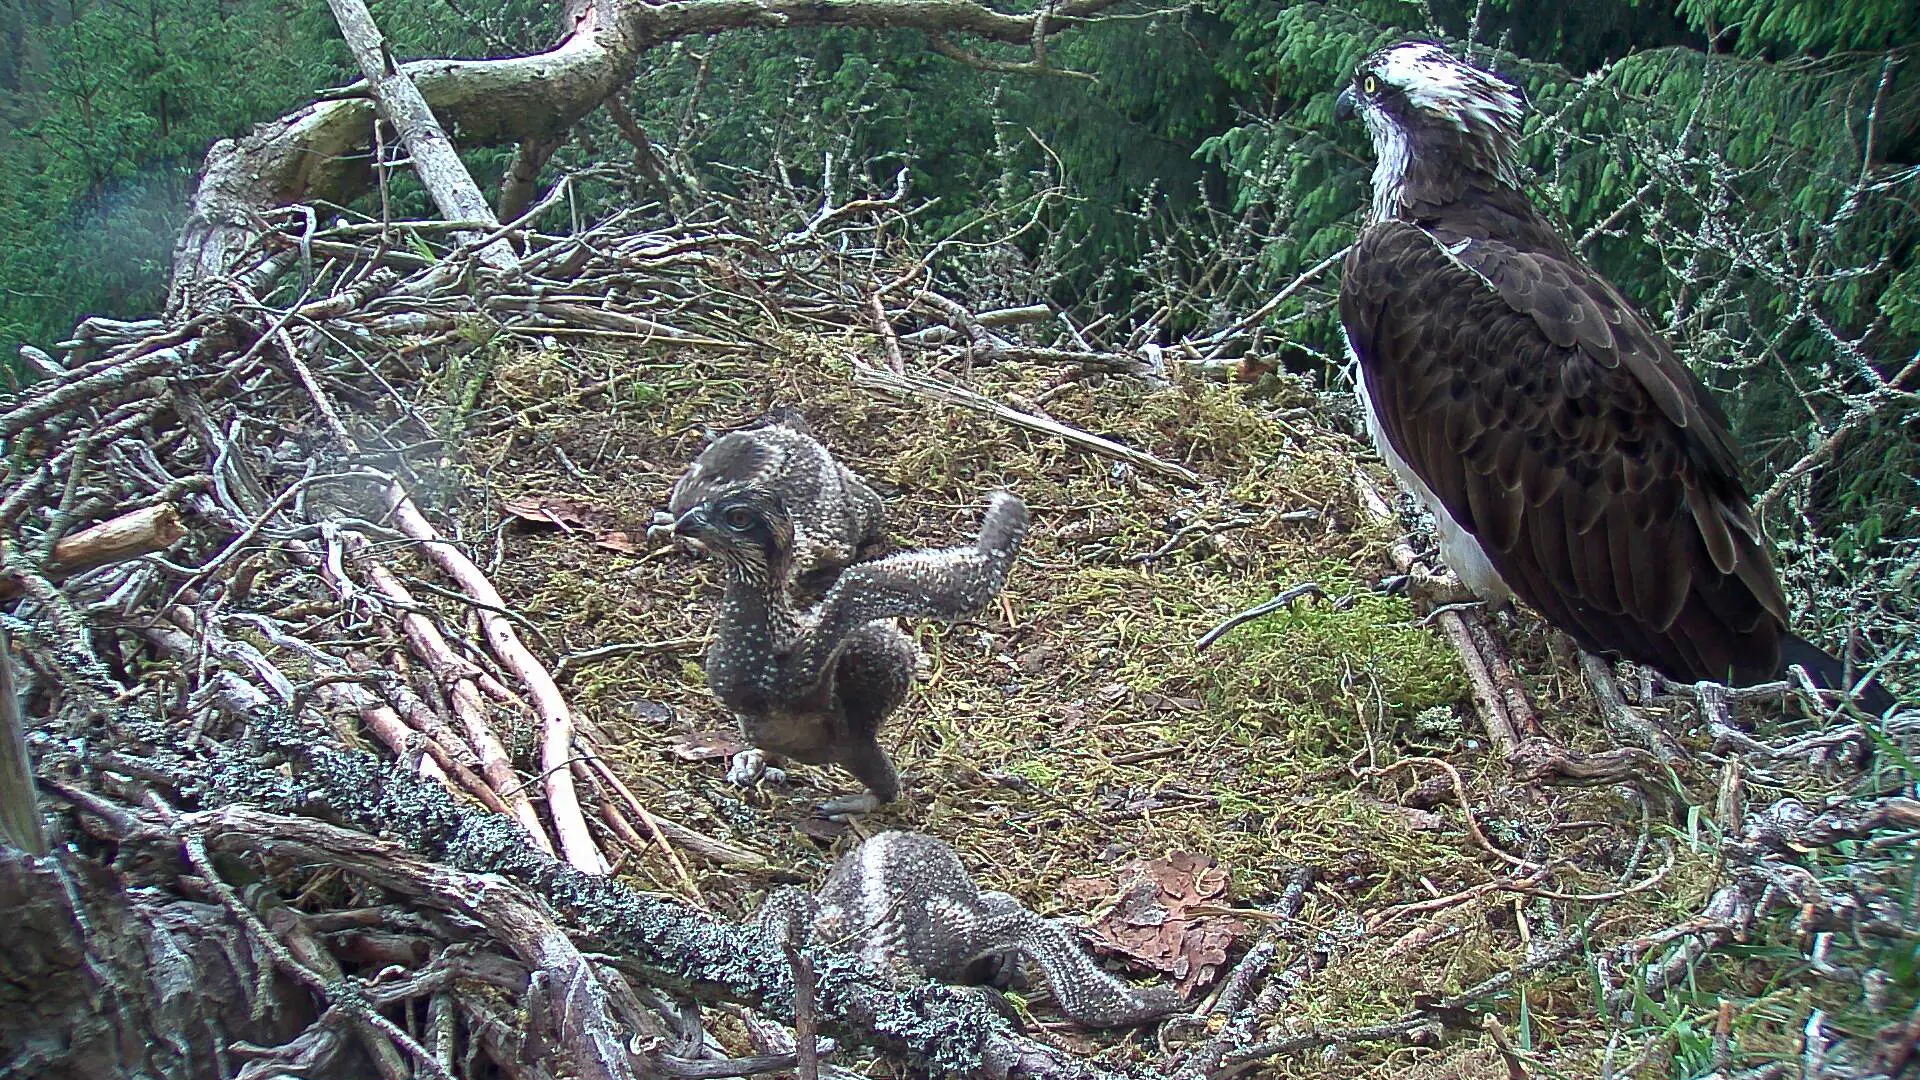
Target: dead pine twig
1466,808
1282,602
932,389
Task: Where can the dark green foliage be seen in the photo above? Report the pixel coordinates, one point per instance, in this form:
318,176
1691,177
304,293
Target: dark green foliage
107,108
1782,28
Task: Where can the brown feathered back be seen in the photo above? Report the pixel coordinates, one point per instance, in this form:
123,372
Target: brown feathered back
1561,431
1567,454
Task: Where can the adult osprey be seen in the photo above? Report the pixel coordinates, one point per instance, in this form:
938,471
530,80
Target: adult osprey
1567,455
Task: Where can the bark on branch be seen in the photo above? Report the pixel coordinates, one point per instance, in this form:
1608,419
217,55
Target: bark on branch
140,532
944,1030
320,151
441,171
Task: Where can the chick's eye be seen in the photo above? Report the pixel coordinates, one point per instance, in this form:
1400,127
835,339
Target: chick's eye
1371,86
739,518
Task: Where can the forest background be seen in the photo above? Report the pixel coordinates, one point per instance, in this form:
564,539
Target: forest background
1746,169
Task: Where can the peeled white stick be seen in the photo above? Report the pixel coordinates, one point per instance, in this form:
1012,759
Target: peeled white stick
431,646
556,720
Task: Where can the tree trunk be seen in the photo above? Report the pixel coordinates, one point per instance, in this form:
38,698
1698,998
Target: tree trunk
97,979
20,825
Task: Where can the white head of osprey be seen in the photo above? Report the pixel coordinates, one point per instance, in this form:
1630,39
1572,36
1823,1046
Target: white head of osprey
1417,93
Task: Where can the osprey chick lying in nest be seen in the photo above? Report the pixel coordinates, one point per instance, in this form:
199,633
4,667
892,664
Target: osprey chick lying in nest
904,903
816,685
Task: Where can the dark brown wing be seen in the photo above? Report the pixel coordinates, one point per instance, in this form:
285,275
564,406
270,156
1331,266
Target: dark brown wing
1558,428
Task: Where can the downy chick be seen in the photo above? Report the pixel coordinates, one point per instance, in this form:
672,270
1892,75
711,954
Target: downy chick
904,903
836,516
815,685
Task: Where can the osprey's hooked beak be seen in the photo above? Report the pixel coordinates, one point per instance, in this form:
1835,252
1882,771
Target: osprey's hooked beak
1345,106
694,523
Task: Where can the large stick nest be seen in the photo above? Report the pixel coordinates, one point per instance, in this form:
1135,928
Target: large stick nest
352,744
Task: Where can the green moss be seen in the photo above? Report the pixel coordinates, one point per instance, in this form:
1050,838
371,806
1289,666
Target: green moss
1088,723
1323,671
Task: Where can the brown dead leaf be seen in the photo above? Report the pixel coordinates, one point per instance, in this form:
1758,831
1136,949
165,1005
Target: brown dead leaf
621,541
705,745
1087,892
575,518
550,510
1153,921
1165,703
816,827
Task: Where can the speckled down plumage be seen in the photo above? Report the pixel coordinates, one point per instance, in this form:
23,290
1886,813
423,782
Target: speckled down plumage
835,514
816,685
905,904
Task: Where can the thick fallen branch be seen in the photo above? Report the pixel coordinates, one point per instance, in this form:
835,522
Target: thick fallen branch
20,825
320,152
576,998
943,1029
428,148
146,531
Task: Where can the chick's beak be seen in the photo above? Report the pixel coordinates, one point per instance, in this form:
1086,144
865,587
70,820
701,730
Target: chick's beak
692,524
1345,106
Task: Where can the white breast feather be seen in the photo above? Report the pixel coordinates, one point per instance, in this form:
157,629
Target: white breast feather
1459,548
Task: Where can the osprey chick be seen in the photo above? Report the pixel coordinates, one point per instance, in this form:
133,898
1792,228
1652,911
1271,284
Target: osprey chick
836,516
1568,456
905,903
815,685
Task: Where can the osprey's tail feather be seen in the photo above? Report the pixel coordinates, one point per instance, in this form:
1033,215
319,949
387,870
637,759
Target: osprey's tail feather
1829,672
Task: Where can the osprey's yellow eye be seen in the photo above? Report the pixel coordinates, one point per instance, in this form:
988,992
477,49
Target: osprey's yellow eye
1370,86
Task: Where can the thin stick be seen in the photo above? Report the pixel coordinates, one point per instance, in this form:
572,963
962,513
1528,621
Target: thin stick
697,842
1279,603
873,378
1488,701
806,1024
895,362
556,719
463,697
610,810
1466,806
